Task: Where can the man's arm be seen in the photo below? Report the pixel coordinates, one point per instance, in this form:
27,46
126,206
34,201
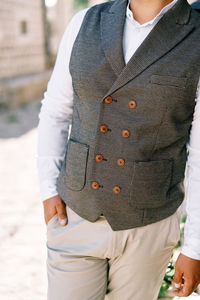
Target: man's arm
188,262
54,120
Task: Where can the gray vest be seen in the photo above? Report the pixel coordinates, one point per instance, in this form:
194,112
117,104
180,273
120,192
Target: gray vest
126,154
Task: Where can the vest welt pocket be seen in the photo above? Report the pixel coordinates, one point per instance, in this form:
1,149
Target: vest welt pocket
76,165
169,81
150,183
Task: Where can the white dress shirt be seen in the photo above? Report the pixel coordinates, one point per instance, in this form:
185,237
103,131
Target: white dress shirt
55,121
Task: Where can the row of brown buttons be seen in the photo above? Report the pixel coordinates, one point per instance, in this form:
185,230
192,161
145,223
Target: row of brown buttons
95,186
131,103
125,132
99,158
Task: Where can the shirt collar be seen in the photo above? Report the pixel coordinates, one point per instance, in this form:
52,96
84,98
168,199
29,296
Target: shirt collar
130,16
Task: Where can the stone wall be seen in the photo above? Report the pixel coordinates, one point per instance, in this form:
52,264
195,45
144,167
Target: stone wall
58,17
21,37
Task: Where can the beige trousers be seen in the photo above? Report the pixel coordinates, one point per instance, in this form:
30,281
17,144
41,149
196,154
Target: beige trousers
90,261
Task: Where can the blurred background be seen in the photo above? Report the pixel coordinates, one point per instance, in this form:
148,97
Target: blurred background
30,32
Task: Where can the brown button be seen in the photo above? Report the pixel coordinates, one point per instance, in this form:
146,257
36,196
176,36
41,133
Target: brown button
99,157
103,128
95,185
108,99
116,189
120,161
125,133
132,104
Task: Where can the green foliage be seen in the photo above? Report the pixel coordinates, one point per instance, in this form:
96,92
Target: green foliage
167,279
183,220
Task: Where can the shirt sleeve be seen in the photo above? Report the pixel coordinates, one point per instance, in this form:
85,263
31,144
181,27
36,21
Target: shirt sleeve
191,245
56,113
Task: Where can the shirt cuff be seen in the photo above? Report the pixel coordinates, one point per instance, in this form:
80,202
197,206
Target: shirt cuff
48,189
191,248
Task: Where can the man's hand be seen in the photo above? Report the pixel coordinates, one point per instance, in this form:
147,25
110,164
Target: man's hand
55,205
187,275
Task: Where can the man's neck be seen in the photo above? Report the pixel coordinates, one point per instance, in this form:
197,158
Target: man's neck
146,10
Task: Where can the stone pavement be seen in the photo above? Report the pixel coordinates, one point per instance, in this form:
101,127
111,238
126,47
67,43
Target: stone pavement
22,227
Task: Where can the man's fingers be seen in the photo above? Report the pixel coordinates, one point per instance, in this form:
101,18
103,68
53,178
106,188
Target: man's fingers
189,286
62,215
50,208
177,285
187,274
178,278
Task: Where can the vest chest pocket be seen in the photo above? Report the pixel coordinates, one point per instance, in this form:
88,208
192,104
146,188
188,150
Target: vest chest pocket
76,165
179,82
150,183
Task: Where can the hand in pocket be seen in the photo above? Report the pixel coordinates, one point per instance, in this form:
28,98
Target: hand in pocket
55,205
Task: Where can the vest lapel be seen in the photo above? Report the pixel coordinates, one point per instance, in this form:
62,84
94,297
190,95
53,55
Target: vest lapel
112,24
172,28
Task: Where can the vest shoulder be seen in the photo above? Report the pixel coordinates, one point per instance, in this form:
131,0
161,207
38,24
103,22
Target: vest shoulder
98,8
93,13
195,18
